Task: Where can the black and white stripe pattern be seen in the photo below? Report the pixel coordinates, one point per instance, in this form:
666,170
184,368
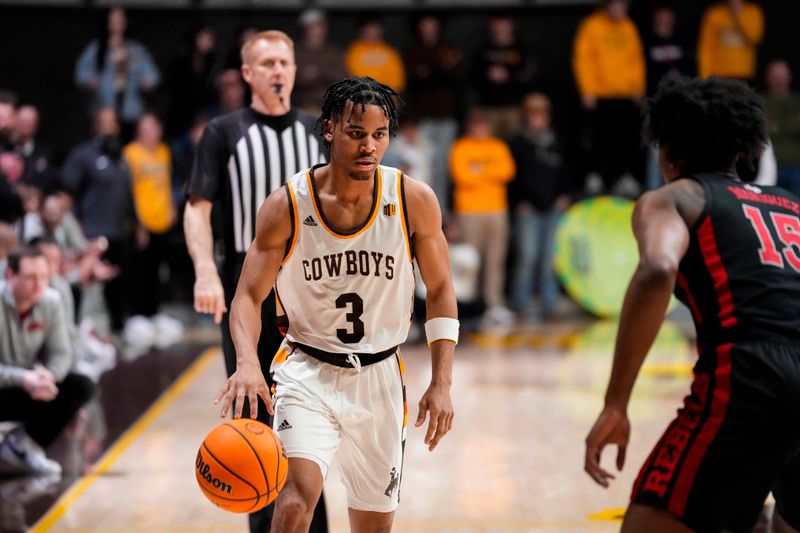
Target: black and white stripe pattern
263,160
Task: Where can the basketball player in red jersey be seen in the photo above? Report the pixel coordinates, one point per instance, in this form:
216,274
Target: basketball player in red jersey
731,253
338,242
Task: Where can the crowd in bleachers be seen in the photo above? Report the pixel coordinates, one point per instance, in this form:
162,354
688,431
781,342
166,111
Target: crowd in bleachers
475,126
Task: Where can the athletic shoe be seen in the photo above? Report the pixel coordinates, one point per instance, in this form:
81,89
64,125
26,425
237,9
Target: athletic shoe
168,330
21,453
497,320
139,334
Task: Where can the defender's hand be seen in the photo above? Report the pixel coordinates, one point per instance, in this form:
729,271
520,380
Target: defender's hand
611,427
436,400
209,297
247,382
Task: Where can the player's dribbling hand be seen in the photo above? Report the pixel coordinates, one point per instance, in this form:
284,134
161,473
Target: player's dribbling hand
209,296
436,400
611,427
247,383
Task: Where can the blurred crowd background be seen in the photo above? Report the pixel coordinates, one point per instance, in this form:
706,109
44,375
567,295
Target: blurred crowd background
510,114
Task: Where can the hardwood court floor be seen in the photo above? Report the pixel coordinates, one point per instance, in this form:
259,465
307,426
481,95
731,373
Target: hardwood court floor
513,462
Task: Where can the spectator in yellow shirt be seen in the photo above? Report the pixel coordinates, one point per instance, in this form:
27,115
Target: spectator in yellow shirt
371,56
150,165
609,68
729,37
482,166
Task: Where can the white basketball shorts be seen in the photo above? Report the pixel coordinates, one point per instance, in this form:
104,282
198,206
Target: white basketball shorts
358,417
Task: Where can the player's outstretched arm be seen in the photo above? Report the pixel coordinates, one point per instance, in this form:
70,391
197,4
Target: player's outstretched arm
209,296
663,238
430,248
273,231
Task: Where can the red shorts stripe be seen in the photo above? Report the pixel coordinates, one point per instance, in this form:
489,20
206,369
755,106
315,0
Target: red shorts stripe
707,432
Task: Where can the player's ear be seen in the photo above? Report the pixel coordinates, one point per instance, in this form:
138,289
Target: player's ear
327,129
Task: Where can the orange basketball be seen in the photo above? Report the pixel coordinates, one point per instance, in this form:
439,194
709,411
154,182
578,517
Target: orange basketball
241,466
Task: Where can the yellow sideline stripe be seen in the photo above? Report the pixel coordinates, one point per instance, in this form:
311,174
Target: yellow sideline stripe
121,445
611,515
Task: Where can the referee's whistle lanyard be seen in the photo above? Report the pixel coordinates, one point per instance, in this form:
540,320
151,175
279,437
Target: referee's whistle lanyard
355,361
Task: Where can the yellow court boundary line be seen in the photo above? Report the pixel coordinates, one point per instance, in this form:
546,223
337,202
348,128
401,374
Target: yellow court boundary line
121,445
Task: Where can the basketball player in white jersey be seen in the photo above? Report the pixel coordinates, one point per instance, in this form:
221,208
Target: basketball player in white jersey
338,242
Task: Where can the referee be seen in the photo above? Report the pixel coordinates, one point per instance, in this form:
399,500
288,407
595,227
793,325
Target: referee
242,157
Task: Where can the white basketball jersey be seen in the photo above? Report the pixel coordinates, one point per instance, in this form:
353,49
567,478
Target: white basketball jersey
348,293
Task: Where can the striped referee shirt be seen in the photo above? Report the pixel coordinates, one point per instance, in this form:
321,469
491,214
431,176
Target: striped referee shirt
244,156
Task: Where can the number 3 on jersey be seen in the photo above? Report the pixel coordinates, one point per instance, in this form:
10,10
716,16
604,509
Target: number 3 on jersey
353,317
788,228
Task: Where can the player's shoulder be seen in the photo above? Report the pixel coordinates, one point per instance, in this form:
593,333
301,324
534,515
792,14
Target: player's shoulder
687,196
676,191
419,197
278,207
686,185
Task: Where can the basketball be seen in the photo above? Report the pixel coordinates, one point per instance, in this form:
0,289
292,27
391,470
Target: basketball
241,466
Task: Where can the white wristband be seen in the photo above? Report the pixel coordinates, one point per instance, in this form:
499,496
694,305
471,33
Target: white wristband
441,329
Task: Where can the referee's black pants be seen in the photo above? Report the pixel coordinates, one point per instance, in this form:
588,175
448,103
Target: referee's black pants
268,344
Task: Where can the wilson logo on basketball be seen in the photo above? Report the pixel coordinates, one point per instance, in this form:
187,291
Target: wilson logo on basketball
204,471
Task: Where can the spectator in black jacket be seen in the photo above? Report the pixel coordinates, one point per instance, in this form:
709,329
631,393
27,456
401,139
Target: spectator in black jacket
501,71
35,154
536,196
8,111
98,177
191,80
667,53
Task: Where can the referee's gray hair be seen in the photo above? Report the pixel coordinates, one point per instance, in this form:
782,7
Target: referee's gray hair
268,35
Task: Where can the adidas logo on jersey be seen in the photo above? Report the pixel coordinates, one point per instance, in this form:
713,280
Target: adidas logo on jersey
285,424
390,210
309,221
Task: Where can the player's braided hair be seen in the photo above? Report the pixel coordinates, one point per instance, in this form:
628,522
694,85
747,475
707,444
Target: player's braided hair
706,125
359,90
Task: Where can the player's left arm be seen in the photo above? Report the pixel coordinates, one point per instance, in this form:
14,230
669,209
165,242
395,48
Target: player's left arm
663,237
430,249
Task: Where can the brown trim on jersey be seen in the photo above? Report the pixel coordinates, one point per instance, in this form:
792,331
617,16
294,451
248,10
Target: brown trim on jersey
376,200
401,195
292,242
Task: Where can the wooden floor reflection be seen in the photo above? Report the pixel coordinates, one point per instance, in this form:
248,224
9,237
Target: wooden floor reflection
513,462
